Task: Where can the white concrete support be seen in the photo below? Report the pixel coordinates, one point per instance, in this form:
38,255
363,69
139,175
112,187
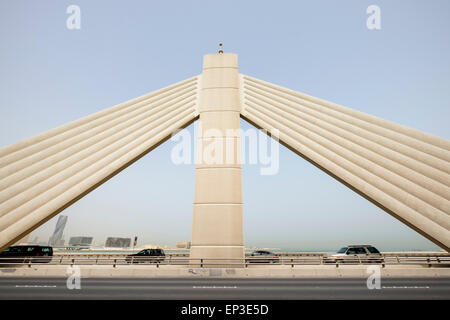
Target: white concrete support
42,175
403,171
217,228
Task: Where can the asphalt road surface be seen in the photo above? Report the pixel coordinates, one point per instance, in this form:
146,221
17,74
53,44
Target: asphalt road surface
225,289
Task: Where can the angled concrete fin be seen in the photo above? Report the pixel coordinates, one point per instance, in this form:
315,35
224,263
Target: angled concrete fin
42,175
403,171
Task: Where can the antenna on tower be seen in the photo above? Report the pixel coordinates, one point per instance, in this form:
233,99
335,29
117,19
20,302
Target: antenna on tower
220,48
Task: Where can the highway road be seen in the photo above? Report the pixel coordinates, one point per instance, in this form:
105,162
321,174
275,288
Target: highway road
226,289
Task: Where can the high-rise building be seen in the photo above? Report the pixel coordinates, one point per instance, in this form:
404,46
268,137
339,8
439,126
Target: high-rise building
113,242
56,238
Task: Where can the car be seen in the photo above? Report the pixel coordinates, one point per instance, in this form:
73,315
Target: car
263,256
147,256
26,254
355,254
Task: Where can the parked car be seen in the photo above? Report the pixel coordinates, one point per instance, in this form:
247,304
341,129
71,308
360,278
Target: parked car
147,256
355,254
26,254
263,256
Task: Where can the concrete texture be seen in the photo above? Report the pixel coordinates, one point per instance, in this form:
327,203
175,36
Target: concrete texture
351,271
217,226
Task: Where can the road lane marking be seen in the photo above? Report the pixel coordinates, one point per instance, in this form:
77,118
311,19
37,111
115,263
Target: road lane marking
406,287
214,287
34,286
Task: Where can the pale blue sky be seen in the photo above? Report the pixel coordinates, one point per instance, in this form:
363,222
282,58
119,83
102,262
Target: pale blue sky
50,75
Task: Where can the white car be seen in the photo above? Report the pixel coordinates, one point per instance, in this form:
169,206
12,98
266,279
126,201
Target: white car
355,254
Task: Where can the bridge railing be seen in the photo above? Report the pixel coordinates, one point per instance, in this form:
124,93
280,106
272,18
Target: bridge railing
248,261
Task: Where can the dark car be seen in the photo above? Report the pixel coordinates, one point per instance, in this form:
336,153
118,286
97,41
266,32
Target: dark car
263,256
147,256
26,254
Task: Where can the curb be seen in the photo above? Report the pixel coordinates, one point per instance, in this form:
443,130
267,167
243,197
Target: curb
269,272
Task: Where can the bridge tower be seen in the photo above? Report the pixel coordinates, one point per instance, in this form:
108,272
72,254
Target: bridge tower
403,171
217,229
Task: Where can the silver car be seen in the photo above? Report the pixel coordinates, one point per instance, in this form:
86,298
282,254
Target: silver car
263,256
355,254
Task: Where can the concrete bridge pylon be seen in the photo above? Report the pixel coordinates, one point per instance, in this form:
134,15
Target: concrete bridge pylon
403,171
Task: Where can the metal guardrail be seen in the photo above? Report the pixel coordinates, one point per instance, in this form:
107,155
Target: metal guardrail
279,253
430,261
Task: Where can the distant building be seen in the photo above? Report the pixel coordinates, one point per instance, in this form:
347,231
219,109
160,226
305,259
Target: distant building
183,245
59,243
113,242
151,246
56,238
81,241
